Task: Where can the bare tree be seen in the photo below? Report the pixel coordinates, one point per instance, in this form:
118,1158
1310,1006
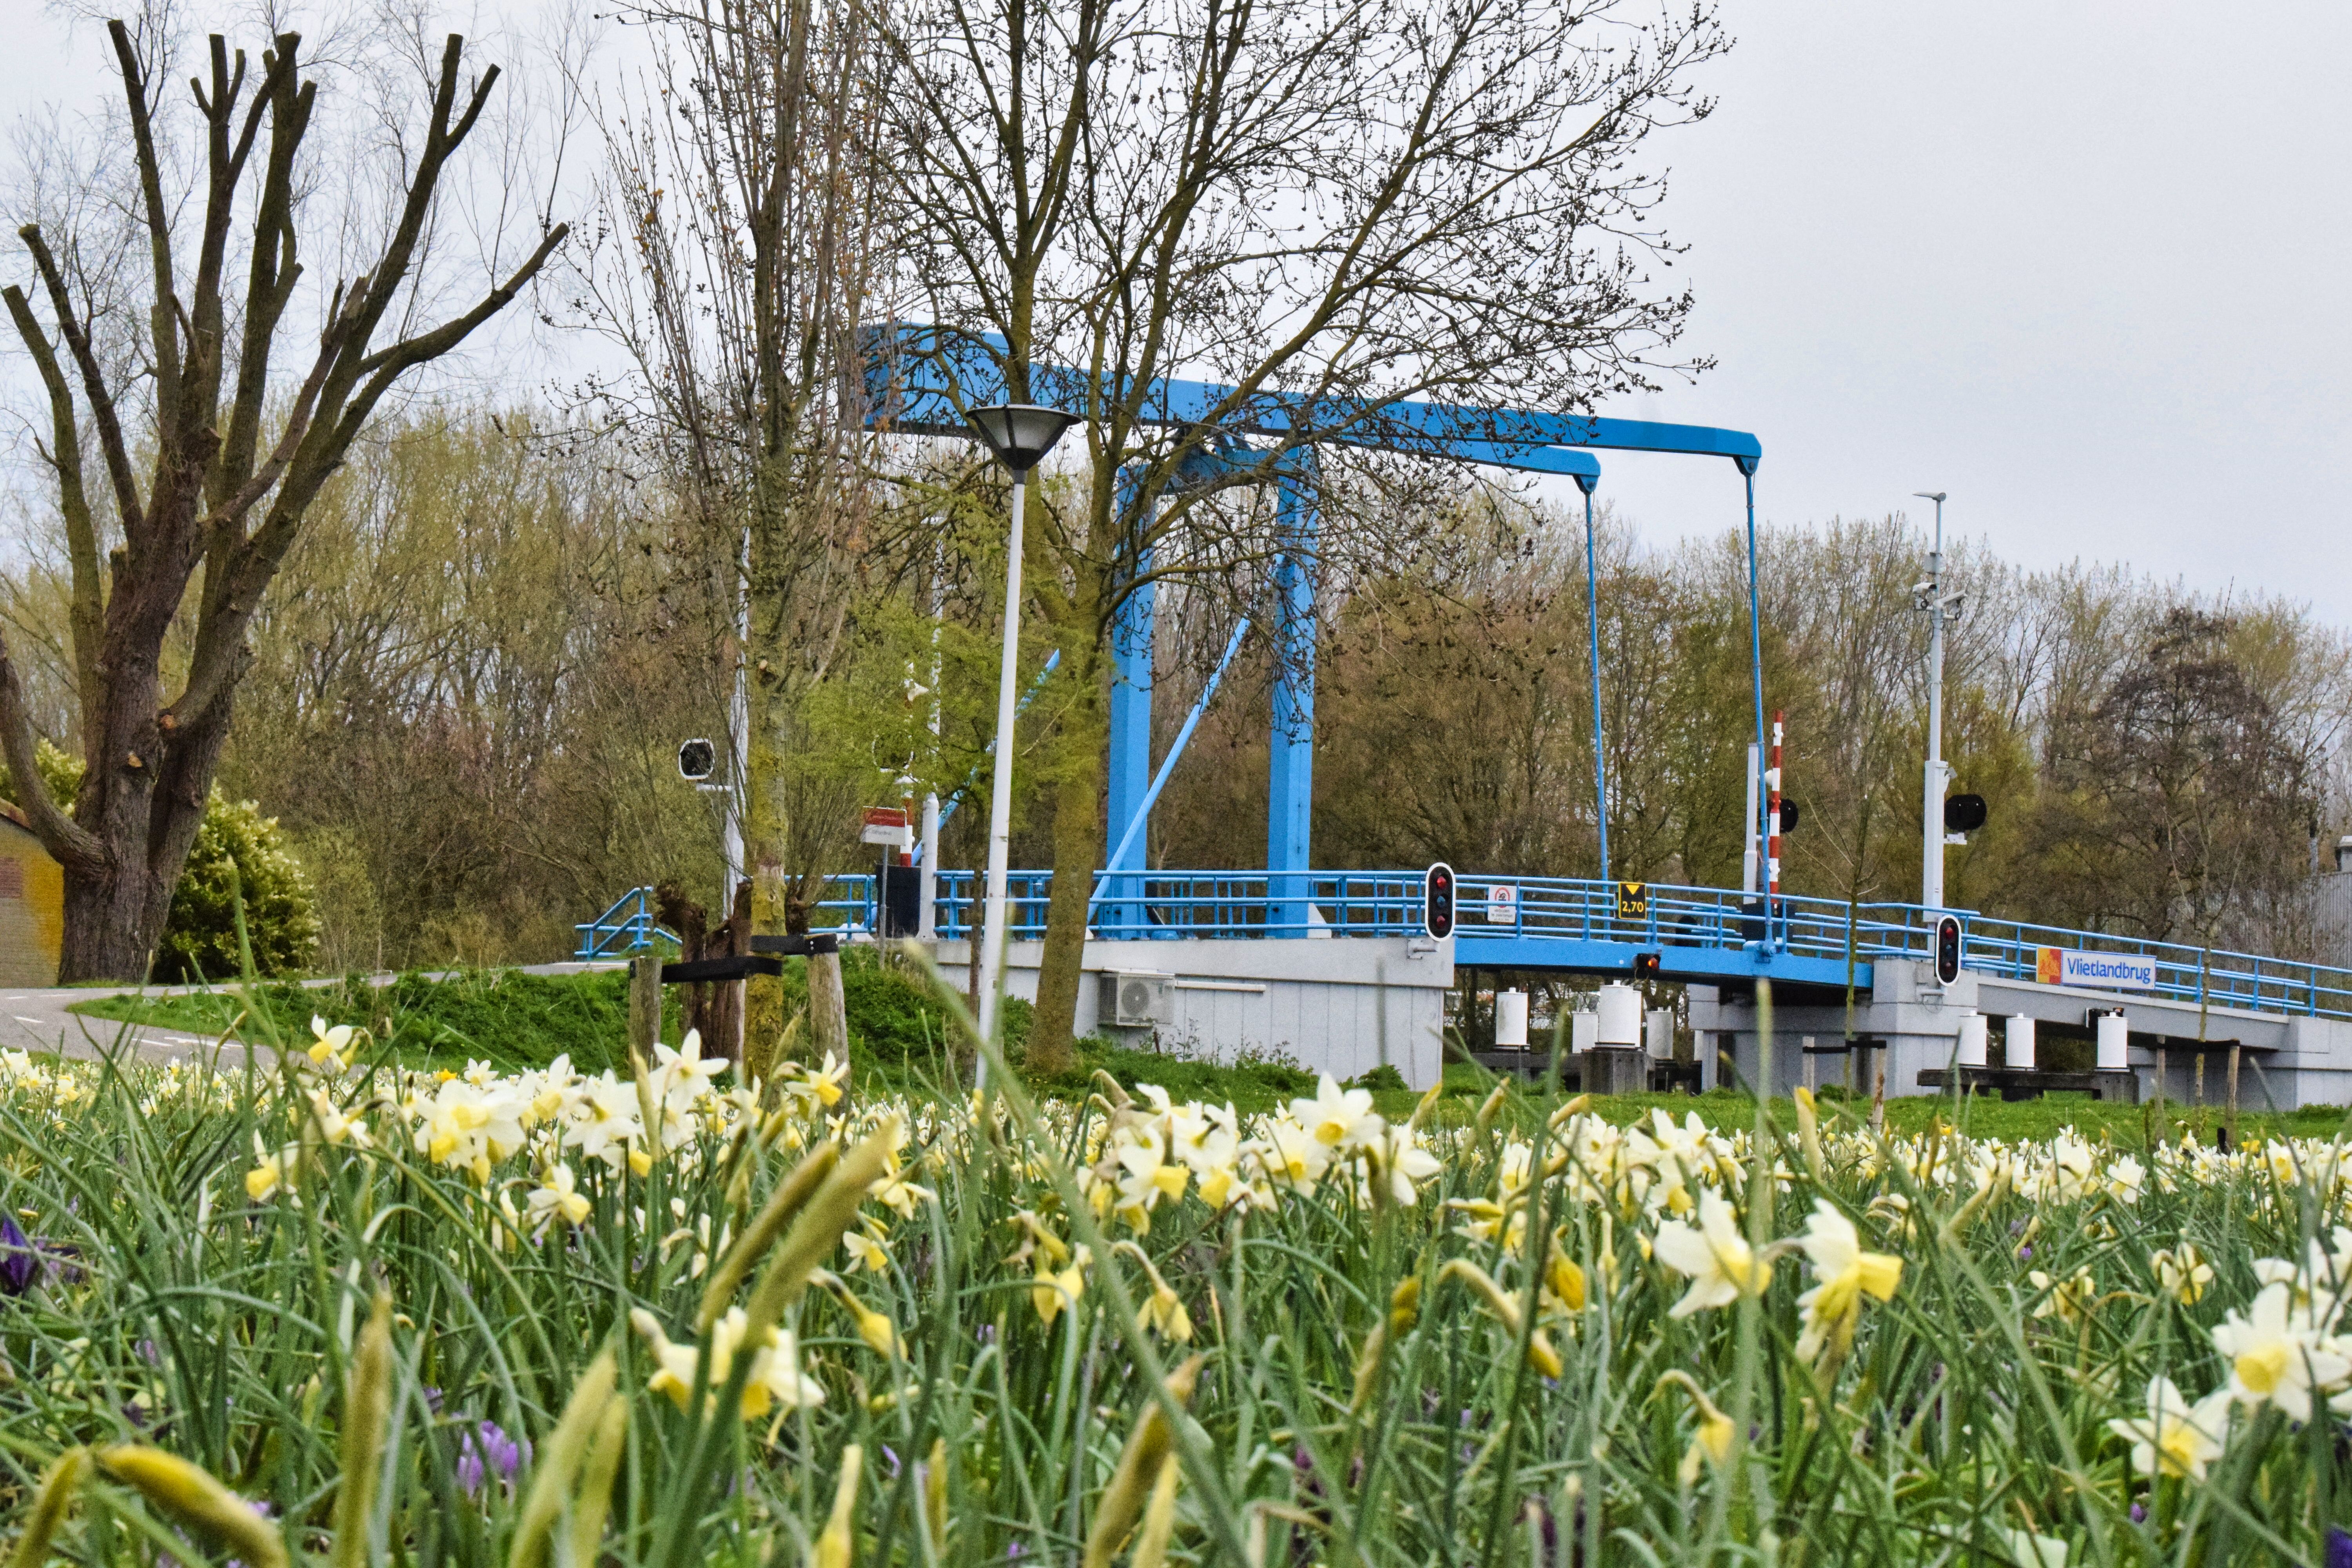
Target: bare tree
217,495
732,267
1325,209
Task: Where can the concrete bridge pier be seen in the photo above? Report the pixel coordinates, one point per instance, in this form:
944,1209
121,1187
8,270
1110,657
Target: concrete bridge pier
1912,1026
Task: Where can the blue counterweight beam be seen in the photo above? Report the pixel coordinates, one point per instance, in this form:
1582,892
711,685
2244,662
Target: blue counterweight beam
1128,776
1290,775
1593,628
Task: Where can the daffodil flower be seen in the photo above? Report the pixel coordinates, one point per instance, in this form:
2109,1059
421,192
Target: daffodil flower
2274,1360
2182,1275
1715,1256
558,1197
2175,1440
1846,1274
1052,1292
775,1378
330,1048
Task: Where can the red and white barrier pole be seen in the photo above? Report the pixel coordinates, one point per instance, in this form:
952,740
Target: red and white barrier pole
1773,827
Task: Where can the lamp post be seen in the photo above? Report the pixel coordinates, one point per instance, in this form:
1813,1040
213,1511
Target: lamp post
1020,433
1930,597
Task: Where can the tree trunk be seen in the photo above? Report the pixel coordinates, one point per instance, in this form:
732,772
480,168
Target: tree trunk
1077,854
766,818
111,925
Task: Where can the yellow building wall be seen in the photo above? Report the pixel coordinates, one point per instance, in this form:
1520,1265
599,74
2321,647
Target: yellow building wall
33,926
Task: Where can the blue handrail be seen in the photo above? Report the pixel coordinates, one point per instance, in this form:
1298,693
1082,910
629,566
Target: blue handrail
1249,904
628,927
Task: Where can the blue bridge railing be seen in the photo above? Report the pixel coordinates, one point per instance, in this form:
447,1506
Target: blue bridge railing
1258,904
628,927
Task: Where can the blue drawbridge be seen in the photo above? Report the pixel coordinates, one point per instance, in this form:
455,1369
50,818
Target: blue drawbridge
1718,941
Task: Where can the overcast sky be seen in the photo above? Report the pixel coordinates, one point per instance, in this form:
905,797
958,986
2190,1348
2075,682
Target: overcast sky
2083,265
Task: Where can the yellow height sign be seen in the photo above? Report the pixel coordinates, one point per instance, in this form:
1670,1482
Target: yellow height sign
1632,900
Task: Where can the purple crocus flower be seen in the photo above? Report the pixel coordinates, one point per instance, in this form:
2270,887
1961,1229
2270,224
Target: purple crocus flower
484,1451
2340,1550
20,1261
2140,1514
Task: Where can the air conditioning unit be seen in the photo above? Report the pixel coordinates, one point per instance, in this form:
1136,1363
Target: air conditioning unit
1131,999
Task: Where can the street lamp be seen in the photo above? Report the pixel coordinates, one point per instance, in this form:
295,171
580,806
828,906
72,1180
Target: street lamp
1020,433
1930,597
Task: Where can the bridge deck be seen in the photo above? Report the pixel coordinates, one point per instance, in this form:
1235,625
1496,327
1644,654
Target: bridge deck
1574,925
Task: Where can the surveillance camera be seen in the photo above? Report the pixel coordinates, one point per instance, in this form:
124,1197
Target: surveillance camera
1921,589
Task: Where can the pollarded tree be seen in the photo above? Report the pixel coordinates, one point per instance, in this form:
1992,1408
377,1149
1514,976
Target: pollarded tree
189,396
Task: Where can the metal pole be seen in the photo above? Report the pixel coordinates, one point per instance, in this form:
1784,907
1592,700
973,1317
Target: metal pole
1755,633
1931,820
927,914
1772,832
738,729
1592,626
1000,799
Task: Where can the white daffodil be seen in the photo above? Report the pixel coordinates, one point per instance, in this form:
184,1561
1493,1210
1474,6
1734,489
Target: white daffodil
2175,1440
773,1379
1716,1257
2274,1361
2182,1275
558,1197
1335,1116
330,1050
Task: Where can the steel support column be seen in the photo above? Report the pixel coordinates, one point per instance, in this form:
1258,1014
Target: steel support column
1122,913
1290,781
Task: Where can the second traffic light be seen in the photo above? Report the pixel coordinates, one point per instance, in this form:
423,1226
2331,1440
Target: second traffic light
1437,901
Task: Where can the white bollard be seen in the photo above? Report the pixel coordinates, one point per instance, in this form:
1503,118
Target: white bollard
1510,1020
1620,1017
2115,1042
1583,1030
1661,1025
2020,1054
1972,1039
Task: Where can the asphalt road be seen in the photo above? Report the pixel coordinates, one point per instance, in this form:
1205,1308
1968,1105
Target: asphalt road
39,1020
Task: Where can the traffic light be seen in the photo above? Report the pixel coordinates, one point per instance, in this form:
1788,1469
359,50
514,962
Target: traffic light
1437,901
1964,814
1948,949
1645,966
696,760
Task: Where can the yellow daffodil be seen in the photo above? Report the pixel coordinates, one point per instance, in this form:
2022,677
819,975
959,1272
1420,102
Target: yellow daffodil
1846,1274
1052,1292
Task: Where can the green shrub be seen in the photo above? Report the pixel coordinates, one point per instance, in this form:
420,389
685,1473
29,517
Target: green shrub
236,848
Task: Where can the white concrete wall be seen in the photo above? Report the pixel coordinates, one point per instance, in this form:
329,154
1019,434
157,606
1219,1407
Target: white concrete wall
1342,1006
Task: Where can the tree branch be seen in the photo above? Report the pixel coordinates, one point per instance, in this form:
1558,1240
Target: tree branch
93,379
62,835
88,611
159,228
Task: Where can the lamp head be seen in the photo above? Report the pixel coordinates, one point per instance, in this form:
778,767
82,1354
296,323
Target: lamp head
1020,433
1935,495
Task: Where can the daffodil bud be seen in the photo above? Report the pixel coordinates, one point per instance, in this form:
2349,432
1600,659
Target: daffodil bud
189,1493
1152,1441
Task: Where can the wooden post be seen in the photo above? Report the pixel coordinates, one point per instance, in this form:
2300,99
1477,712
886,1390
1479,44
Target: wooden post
645,1005
828,1006
2235,1048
